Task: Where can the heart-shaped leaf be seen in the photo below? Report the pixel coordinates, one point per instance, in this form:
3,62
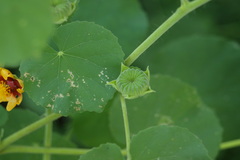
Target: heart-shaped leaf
124,18
211,64
173,103
72,73
167,143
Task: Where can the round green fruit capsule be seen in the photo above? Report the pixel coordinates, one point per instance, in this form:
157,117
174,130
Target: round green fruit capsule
62,9
132,82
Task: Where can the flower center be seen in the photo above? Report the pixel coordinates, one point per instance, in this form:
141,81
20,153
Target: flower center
4,91
9,86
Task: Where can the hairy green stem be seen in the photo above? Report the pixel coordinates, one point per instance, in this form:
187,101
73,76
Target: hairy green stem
126,126
44,150
25,131
183,10
48,136
230,144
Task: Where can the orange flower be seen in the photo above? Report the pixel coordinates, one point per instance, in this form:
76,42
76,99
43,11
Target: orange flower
11,89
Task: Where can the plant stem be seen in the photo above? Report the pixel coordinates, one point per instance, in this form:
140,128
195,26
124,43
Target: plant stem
230,144
44,150
25,131
184,2
48,136
183,10
126,126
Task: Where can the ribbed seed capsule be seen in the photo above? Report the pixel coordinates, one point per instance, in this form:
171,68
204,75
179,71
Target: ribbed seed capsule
132,82
62,9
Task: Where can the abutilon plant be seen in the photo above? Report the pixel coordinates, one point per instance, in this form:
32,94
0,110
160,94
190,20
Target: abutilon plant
11,89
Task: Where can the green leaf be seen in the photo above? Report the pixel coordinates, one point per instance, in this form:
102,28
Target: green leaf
71,75
167,143
28,103
104,152
124,18
4,116
211,64
173,103
25,27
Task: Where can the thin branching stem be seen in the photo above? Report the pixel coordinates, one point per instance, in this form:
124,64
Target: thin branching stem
183,10
230,144
126,126
43,150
